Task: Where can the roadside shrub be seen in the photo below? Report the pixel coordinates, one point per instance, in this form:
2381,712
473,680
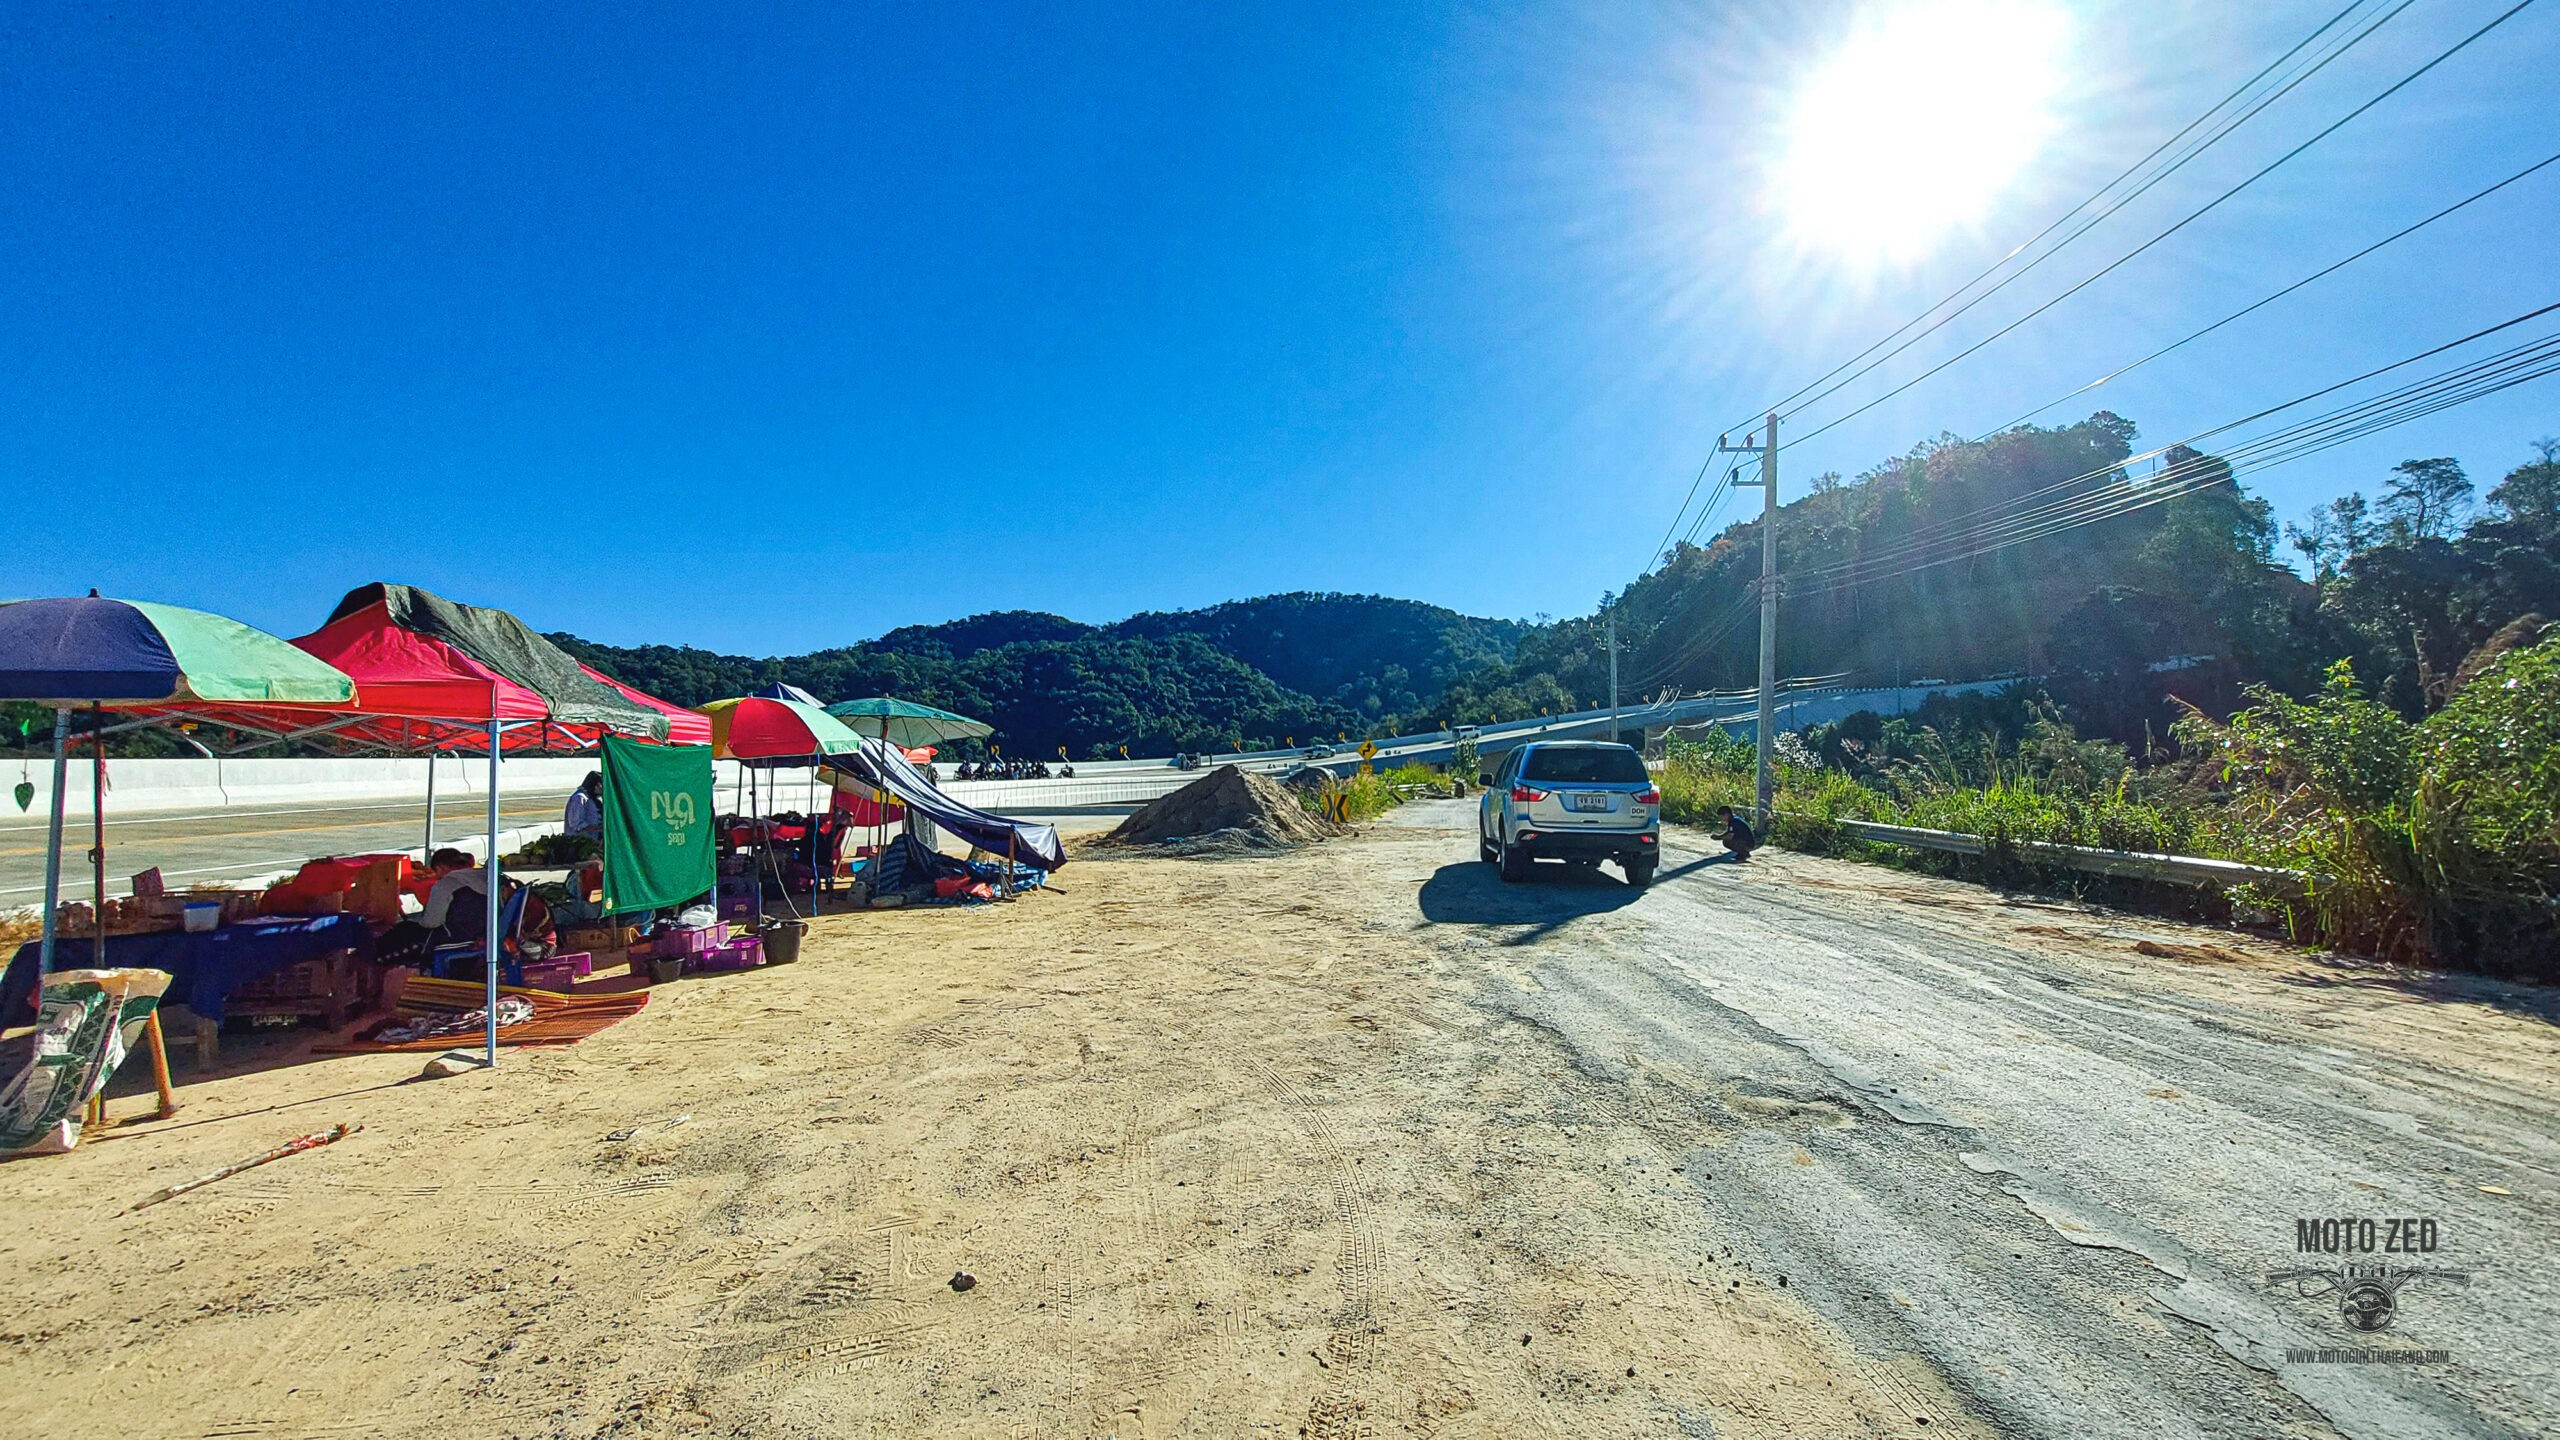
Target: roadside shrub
2437,841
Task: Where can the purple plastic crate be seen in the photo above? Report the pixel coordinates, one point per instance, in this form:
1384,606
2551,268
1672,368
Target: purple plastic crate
689,943
744,953
558,974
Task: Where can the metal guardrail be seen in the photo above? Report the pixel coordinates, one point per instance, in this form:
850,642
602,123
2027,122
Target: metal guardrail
2132,864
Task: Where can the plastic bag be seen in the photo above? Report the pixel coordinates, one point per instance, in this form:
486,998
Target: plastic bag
700,917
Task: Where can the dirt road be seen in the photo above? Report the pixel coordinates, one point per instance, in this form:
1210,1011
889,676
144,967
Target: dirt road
1350,1141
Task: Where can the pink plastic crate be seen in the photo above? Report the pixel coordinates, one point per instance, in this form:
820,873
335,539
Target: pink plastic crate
744,953
581,963
690,943
554,974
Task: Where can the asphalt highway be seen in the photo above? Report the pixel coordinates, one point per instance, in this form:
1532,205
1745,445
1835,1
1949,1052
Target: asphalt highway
245,842
1999,1132
237,843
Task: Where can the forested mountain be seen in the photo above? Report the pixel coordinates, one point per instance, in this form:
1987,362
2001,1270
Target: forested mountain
1248,672
2168,596
1879,580
1351,648
960,639
2120,619
2159,595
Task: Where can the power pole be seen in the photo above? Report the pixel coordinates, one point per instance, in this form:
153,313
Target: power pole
1768,483
1613,673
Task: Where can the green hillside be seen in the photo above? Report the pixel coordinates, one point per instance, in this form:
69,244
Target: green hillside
1245,673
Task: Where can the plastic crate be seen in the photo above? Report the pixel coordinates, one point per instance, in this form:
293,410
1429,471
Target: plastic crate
744,953
555,974
692,942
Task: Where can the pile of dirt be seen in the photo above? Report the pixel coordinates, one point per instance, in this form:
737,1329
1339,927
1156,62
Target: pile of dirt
1260,813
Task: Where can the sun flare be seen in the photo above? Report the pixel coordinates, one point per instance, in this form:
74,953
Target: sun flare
1914,125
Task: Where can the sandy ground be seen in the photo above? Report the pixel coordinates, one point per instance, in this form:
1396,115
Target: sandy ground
1229,1147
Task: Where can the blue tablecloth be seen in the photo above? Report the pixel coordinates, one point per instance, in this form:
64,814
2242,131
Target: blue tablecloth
203,969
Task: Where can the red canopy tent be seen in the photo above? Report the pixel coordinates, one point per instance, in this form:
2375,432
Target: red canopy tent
434,677
684,727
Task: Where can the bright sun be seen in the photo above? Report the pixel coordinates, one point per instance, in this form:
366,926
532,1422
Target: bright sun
1916,123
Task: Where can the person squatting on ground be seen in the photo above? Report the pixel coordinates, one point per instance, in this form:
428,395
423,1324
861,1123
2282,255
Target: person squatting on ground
1737,835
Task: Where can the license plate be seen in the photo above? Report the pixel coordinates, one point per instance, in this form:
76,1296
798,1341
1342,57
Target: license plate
1591,802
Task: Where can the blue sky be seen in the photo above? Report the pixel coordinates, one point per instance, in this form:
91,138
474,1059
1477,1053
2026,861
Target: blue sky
767,328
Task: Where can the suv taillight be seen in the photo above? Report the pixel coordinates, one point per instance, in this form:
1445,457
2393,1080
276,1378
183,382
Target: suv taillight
1650,797
1523,795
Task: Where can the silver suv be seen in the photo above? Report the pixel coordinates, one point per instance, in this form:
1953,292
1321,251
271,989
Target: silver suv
1579,801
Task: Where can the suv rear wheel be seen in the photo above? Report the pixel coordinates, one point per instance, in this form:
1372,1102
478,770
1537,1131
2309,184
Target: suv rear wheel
1640,870
1515,866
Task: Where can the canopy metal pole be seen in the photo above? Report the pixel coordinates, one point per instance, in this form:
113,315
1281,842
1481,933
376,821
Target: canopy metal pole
98,837
489,866
427,849
53,846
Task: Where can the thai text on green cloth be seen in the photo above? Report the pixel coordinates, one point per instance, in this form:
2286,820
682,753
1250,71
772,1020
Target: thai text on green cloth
657,824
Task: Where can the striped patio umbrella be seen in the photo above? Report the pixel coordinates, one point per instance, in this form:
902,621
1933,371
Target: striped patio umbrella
92,651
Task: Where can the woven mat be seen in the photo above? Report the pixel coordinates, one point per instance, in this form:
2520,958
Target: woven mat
557,1019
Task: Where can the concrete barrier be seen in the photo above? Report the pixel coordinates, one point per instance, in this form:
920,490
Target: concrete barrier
138,788
160,787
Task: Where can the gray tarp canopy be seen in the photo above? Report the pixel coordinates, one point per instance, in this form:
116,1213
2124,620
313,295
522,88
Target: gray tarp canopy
879,763
511,648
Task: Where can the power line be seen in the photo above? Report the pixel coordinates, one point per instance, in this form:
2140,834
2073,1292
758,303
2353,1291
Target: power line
1703,467
1921,533
1716,498
2064,218
2260,304
2459,385
2201,471
2120,178
2332,128
1703,638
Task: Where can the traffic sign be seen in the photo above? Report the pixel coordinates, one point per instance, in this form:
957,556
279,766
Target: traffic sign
1368,749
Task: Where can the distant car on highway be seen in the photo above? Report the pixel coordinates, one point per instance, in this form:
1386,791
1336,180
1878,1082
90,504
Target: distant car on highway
1578,801
1463,734
1320,752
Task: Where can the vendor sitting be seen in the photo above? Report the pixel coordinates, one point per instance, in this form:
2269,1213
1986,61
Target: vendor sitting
442,922
584,815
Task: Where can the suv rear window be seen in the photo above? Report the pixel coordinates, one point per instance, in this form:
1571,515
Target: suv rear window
1597,765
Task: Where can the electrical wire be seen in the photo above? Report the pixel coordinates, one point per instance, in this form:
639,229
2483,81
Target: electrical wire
2094,197
2190,218
2202,471
2101,193
2260,304
2459,385
1703,467
1703,638
2009,506
1715,500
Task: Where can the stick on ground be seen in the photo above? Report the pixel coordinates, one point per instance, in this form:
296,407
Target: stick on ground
312,1141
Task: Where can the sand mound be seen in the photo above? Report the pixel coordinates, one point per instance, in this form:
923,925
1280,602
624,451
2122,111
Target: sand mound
1226,799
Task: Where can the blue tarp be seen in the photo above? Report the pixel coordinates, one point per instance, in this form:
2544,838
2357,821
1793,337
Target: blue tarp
879,763
203,968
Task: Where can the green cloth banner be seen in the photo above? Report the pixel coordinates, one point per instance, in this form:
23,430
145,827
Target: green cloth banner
657,824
